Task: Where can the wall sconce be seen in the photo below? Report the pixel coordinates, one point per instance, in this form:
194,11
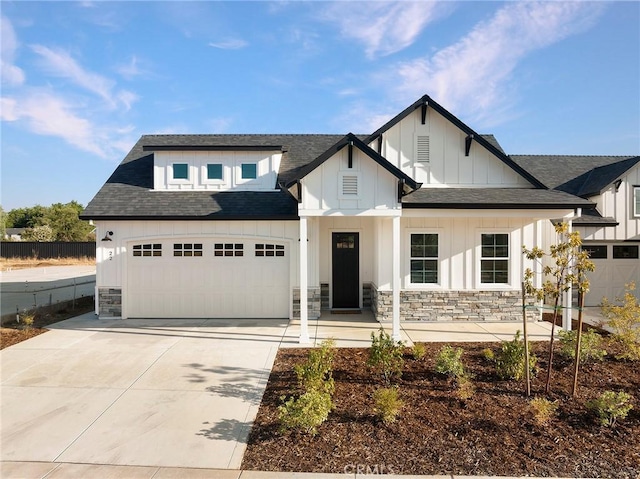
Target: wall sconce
107,236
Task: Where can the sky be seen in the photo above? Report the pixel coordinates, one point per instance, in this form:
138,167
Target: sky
82,81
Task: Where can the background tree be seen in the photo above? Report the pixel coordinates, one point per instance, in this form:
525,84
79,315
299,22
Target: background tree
39,233
28,217
61,219
3,226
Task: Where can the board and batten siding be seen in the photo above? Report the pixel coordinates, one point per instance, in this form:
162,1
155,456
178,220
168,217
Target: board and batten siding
448,165
334,188
268,164
619,205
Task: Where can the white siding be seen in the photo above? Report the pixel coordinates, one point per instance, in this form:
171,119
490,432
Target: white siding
619,205
323,192
448,165
268,163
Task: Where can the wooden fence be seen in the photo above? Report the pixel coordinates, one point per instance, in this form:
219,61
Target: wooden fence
46,250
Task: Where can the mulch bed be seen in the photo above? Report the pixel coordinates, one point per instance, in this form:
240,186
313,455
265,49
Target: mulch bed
493,433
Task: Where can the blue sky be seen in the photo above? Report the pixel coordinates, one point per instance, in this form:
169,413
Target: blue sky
81,81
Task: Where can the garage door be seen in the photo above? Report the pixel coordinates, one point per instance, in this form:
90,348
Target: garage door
616,265
199,278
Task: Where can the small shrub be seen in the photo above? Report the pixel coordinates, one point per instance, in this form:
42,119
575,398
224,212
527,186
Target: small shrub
305,413
28,318
590,345
610,406
316,373
543,409
488,354
510,360
418,351
466,388
387,404
386,355
449,362
624,319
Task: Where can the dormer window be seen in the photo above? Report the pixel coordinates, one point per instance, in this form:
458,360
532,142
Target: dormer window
214,171
249,171
636,201
180,171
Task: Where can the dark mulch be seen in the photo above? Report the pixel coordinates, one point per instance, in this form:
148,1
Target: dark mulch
13,332
493,433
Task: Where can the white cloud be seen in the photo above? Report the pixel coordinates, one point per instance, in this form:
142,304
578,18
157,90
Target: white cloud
473,76
384,28
131,69
61,64
229,44
10,73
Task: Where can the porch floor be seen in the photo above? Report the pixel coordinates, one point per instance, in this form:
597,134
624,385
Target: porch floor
354,330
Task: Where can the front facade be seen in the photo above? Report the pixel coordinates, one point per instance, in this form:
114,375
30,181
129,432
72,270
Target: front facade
423,219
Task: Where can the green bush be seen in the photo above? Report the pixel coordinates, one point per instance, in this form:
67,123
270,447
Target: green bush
387,404
624,319
418,351
307,412
610,406
590,345
488,354
386,355
449,362
466,388
316,373
543,409
510,360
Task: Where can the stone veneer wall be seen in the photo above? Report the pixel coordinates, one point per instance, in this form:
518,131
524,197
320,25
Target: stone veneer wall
109,302
313,302
451,305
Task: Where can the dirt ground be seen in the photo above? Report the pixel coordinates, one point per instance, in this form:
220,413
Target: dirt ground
13,332
492,433
7,264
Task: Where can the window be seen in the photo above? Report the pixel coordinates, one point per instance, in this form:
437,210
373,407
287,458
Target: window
424,258
180,171
187,249
228,249
636,201
625,252
214,171
154,249
249,171
598,251
494,262
263,249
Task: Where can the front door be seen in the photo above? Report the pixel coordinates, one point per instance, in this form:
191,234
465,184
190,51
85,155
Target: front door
346,267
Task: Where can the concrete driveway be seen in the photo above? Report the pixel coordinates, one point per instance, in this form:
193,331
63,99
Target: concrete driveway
175,393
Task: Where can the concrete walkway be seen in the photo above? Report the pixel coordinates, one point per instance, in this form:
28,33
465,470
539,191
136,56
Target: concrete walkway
163,398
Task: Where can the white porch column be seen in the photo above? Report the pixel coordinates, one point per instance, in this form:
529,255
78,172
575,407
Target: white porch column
304,280
396,279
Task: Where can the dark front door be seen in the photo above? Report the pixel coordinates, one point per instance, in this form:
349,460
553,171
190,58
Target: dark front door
346,267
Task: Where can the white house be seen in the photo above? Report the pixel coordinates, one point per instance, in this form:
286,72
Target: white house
424,219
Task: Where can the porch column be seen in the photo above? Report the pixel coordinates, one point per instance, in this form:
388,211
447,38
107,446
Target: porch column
304,313
567,296
396,279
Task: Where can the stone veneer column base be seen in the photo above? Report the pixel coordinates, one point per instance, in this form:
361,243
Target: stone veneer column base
451,305
109,302
313,302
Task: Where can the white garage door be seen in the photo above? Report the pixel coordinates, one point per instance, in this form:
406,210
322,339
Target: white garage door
616,265
207,279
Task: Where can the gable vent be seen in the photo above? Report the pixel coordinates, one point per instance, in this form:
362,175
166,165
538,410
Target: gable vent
422,150
350,185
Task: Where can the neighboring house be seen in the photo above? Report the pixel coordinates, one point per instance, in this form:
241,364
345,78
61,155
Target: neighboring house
14,234
424,219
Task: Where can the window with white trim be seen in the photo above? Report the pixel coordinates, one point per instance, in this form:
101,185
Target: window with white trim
636,201
215,171
180,171
149,249
494,258
228,249
266,249
424,258
248,171
187,249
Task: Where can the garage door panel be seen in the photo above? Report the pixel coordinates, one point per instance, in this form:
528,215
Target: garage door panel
209,286
610,276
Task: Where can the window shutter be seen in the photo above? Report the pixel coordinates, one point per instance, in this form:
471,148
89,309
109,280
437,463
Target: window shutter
422,150
350,185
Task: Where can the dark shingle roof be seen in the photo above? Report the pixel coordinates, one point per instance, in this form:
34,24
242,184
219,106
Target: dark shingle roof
501,198
578,175
129,194
591,217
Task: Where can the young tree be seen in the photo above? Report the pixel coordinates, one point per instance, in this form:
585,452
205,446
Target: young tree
567,266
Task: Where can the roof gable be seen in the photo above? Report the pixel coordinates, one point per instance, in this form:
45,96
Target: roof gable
486,141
